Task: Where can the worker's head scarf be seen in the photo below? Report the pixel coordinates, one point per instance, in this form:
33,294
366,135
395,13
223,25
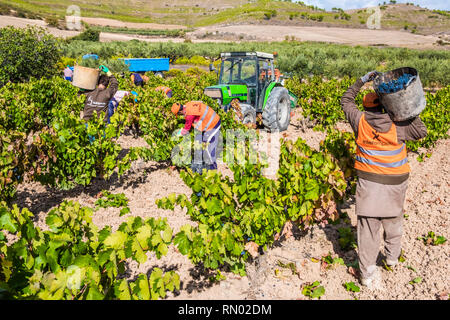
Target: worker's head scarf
176,108
371,100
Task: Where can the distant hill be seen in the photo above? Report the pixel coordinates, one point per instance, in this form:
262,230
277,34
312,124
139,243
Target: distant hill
196,13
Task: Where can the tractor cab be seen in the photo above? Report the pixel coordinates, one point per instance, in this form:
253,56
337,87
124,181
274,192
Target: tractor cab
249,78
243,76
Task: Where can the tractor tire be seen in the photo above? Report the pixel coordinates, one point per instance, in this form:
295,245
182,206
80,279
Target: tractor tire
249,114
277,112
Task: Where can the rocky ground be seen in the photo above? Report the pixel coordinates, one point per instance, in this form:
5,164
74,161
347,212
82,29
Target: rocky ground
268,277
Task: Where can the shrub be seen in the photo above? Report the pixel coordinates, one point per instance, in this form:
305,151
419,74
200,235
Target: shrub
65,61
26,53
88,35
52,21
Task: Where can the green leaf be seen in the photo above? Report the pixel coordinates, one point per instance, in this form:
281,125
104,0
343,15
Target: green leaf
386,266
139,254
143,234
214,205
440,240
416,280
142,288
116,240
318,292
124,211
182,242
162,249
156,239
402,257
411,268
6,222
94,294
351,286
122,290
312,195
167,234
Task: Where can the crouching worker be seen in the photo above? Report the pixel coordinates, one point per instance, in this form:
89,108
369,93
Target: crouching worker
68,73
114,102
139,79
383,172
207,132
166,90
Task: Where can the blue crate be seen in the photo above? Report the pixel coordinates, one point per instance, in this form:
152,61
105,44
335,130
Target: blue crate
144,64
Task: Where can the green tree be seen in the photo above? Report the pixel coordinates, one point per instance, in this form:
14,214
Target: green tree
26,53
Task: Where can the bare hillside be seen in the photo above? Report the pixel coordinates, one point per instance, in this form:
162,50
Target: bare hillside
193,13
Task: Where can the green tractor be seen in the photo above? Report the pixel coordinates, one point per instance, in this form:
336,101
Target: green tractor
248,81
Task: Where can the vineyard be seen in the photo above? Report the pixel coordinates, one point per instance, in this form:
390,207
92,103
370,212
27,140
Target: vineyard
105,212
294,57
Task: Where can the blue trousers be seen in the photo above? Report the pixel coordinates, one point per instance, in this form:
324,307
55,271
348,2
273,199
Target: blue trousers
206,157
112,107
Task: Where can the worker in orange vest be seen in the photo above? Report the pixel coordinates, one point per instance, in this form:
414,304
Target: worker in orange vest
382,167
166,90
207,126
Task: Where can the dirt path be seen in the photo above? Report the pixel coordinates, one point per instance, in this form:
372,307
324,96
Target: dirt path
131,25
427,205
251,33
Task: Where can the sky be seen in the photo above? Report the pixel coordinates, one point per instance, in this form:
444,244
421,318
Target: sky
356,4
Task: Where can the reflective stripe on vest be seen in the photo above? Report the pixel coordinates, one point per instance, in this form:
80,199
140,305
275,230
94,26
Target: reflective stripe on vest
200,122
208,120
382,164
208,117
380,153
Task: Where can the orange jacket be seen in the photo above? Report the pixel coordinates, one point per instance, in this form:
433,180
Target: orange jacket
380,153
208,118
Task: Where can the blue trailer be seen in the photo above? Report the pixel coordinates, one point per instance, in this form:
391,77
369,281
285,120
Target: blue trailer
156,65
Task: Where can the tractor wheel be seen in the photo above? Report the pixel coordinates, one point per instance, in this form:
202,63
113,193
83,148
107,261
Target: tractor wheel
277,112
249,114
159,74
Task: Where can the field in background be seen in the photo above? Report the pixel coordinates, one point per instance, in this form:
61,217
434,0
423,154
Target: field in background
299,58
407,17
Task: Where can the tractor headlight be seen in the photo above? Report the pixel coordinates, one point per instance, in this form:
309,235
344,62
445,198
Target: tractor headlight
213,93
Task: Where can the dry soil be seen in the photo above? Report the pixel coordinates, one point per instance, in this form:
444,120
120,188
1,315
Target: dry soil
426,209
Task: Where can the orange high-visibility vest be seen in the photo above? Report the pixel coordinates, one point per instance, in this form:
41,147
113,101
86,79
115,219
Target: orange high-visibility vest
208,117
166,90
380,153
